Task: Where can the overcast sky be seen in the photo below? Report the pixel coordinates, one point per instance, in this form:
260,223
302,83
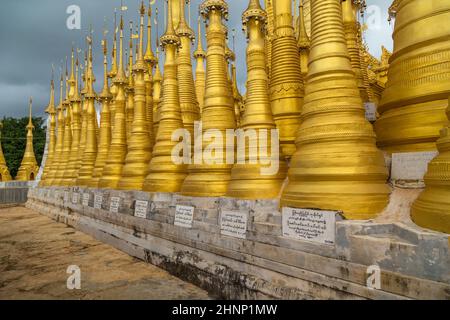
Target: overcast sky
34,35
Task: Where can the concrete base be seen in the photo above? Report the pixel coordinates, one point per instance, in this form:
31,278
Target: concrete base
14,192
414,263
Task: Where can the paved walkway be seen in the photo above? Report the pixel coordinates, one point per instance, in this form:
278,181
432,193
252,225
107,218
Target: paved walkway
35,253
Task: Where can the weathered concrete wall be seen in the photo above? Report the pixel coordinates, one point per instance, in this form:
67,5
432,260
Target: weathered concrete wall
14,192
415,263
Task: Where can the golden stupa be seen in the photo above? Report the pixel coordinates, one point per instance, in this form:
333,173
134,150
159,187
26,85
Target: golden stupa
53,166
113,72
150,61
83,112
190,111
29,168
337,165
413,104
200,74
112,172
67,138
210,173
104,140
74,163
164,174
139,146
129,88
4,171
286,83
157,86
51,137
237,97
432,208
248,181
90,150
303,41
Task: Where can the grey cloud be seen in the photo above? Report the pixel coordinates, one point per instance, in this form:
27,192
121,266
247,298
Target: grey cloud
34,35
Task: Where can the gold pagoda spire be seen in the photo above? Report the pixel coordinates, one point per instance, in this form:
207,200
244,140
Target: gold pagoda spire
286,83
337,165
303,42
113,71
352,30
105,98
268,5
74,163
52,136
210,176
413,104
112,74
4,171
150,60
129,89
138,147
200,74
247,179
186,88
67,140
165,175
432,209
90,150
29,167
72,74
112,171
51,178
238,99
157,83
83,132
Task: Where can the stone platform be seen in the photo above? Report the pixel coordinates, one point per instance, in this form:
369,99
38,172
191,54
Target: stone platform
414,263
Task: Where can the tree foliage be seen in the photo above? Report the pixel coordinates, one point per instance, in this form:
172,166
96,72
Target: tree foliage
14,139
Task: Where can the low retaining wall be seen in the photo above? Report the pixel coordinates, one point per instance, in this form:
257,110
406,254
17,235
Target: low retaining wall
413,263
14,192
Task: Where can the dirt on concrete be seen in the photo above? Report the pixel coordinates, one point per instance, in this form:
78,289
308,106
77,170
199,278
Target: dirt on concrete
35,253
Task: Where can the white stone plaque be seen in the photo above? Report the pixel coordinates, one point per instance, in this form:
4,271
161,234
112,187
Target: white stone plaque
411,165
310,225
140,209
114,204
371,111
75,198
98,200
85,200
233,224
184,216
66,196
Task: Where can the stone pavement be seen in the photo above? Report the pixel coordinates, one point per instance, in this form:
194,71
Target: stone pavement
35,253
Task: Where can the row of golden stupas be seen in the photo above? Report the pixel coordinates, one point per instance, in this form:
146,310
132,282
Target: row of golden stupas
308,76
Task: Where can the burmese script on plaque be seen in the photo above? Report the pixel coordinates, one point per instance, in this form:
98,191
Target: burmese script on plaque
114,205
233,224
75,198
98,199
184,216
140,210
310,225
85,201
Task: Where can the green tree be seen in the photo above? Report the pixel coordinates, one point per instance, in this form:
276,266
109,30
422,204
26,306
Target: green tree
14,139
